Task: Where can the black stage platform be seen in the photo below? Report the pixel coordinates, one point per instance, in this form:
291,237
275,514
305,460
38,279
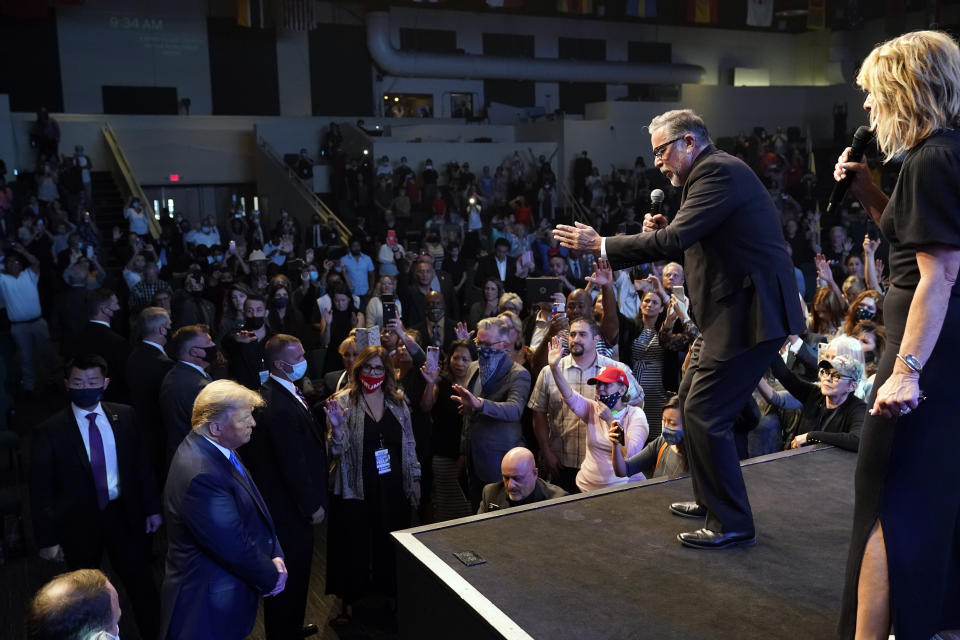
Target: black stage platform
607,564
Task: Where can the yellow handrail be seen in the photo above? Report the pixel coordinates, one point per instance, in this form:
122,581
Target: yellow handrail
319,206
133,185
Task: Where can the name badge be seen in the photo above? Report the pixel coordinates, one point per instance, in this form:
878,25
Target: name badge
383,461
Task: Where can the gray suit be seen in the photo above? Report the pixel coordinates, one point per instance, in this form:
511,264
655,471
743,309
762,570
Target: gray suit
179,390
495,428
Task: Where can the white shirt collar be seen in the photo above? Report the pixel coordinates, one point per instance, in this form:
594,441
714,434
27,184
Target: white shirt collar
200,369
289,386
154,344
106,324
81,414
226,452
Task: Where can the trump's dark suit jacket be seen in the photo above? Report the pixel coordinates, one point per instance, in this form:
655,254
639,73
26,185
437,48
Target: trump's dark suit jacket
739,276
221,545
179,389
62,492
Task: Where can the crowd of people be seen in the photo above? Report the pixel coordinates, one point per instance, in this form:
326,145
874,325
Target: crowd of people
448,357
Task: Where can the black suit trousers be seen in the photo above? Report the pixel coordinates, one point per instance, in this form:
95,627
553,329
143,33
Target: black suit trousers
283,613
713,392
129,553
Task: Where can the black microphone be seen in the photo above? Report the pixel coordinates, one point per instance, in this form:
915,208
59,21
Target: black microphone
861,139
656,202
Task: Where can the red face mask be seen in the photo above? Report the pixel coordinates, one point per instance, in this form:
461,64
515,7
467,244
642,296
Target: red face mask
371,383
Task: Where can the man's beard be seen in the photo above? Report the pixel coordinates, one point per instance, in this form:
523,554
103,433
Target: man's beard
576,349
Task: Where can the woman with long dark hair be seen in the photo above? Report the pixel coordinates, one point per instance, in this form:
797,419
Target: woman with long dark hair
375,479
904,561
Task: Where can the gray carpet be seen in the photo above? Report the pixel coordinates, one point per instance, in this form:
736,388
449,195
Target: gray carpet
608,566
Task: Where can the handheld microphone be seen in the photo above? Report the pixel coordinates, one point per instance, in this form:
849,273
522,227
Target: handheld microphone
861,139
656,202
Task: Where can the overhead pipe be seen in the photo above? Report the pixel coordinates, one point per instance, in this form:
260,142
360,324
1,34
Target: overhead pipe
438,65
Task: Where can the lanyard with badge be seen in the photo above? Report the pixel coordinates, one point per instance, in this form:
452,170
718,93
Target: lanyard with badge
381,455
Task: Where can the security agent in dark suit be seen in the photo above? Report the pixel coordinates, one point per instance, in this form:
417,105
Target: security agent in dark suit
288,457
744,295
223,552
195,351
92,488
98,337
147,365
521,484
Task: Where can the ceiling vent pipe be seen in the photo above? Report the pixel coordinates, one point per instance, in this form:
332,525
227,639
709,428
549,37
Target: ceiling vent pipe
438,65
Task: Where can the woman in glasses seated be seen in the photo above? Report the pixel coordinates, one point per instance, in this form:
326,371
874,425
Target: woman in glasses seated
831,413
375,480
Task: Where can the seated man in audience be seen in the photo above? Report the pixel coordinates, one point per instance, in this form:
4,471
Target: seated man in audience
80,605
521,484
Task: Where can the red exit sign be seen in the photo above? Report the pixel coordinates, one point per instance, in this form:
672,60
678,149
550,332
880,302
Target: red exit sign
174,177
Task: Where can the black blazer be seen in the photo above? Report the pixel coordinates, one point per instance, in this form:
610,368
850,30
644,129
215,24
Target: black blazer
221,545
739,277
179,389
449,333
287,454
62,493
145,369
487,268
112,347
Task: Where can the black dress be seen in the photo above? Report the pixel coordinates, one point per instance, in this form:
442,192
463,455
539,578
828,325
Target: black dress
907,467
360,553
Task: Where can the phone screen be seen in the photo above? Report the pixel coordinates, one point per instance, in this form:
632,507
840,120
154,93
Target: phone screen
433,358
391,238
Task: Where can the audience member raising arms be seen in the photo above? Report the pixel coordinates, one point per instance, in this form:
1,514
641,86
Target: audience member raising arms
607,409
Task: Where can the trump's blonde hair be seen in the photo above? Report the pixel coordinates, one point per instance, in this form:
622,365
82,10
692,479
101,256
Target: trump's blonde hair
221,398
915,83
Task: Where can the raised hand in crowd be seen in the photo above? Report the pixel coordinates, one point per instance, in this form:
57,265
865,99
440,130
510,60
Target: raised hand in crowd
602,273
462,332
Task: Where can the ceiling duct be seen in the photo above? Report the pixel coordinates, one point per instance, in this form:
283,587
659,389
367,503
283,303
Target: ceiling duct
436,65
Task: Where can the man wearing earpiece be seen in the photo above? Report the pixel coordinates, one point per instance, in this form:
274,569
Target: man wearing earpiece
288,459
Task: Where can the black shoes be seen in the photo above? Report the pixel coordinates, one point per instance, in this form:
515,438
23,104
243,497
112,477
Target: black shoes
688,510
710,540
310,630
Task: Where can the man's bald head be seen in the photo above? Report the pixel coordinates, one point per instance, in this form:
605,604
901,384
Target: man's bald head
74,606
519,471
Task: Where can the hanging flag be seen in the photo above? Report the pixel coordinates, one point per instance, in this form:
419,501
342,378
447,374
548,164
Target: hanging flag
642,8
580,7
702,11
298,15
251,13
760,13
817,14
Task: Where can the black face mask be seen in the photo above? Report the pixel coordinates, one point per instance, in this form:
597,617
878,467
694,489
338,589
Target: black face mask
865,314
210,353
253,324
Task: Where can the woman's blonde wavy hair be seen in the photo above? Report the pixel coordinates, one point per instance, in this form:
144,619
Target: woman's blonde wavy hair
915,83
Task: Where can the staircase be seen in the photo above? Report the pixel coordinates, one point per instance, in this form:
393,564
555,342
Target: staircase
109,213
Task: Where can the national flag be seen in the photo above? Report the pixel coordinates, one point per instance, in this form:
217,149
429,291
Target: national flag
760,13
702,11
580,7
298,15
817,14
642,8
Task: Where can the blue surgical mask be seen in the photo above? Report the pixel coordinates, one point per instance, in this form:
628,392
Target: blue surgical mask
314,276
84,398
672,436
299,369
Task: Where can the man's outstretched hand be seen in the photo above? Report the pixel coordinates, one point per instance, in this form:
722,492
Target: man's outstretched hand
580,238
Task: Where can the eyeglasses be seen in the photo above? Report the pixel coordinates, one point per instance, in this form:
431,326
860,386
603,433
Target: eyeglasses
375,369
658,152
834,376
489,345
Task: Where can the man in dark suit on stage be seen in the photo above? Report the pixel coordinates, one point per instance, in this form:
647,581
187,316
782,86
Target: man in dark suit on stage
288,457
147,365
741,285
92,488
223,551
98,337
194,351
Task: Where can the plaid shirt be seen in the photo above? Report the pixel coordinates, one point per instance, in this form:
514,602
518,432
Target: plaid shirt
568,433
142,293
